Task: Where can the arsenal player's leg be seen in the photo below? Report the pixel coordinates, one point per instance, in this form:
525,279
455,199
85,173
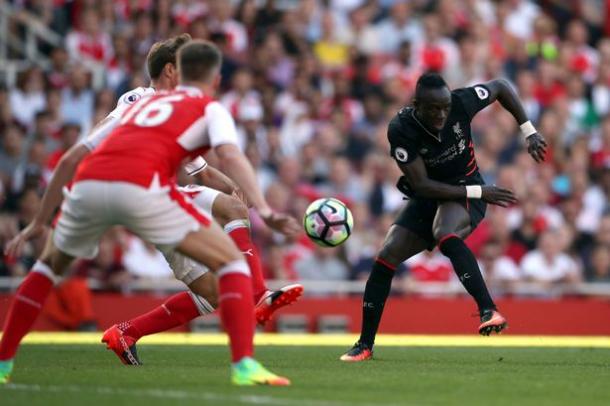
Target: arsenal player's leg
183,307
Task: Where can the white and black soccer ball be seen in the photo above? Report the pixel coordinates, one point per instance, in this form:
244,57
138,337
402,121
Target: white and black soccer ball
328,222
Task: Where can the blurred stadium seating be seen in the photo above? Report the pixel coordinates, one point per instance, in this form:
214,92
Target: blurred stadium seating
312,85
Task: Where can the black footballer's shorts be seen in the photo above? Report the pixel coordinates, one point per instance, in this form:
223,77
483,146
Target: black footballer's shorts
418,215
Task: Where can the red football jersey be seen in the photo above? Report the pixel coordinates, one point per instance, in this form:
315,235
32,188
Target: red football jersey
156,134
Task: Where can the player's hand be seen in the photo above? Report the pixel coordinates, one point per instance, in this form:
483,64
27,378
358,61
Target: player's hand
283,223
498,196
239,194
14,248
536,146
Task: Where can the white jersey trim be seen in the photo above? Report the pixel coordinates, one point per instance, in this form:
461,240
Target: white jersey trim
221,126
195,166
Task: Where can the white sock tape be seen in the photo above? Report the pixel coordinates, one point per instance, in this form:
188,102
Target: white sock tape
527,129
474,191
45,270
203,305
239,223
239,266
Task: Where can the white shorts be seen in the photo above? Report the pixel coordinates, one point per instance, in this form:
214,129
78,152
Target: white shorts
202,196
160,215
185,269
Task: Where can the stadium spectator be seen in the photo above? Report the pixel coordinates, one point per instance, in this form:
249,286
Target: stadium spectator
77,99
27,98
500,271
600,264
322,265
88,42
547,265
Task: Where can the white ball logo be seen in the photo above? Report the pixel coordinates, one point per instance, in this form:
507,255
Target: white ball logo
481,92
401,154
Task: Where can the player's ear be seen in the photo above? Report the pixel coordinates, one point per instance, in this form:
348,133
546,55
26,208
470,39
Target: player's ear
169,69
217,81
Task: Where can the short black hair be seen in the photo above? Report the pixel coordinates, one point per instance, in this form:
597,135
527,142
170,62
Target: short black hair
164,52
430,80
197,60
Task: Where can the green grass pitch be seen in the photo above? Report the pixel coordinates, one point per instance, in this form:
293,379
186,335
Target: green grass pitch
198,375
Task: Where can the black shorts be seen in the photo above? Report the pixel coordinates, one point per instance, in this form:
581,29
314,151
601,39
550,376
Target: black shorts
418,215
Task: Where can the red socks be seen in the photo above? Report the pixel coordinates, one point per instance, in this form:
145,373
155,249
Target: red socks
237,308
239,232
175,311
184,306
236,311
25,308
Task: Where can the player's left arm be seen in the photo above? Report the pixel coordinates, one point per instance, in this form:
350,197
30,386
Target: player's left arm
502,91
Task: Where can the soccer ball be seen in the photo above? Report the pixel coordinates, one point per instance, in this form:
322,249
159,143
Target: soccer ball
328,222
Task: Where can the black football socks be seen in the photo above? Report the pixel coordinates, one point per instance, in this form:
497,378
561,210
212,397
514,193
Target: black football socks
375,294
467,269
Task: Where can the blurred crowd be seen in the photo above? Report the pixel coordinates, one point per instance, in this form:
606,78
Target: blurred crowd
312,85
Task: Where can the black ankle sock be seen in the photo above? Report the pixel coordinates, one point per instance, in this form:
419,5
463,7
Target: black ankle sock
375,294
467,269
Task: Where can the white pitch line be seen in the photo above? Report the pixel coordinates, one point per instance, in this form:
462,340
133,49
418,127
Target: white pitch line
184,395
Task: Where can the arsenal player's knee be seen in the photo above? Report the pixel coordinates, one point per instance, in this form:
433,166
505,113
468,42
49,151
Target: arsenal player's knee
227,208
206,286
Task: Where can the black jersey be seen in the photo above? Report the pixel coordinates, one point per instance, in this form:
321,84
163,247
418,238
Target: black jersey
448,156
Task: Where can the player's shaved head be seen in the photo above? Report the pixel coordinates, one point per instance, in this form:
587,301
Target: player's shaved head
198,61
164,52
432,100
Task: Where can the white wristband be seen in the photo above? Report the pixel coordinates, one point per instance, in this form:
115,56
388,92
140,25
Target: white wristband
474,191
527,129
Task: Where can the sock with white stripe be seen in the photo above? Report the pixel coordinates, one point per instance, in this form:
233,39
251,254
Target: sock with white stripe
237,308
239,231
25,308
175,311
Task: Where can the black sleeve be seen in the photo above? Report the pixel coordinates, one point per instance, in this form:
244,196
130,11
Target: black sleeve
403,147
474,99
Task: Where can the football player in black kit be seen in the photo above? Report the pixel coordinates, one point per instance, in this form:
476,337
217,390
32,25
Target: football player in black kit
432,145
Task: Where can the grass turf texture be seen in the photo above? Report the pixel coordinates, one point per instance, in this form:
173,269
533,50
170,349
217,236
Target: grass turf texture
89,375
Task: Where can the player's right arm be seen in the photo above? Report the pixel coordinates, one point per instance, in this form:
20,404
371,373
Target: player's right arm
223,138
236,165
424,187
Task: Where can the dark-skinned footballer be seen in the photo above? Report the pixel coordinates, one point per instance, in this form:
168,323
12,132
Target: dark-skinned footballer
432,144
